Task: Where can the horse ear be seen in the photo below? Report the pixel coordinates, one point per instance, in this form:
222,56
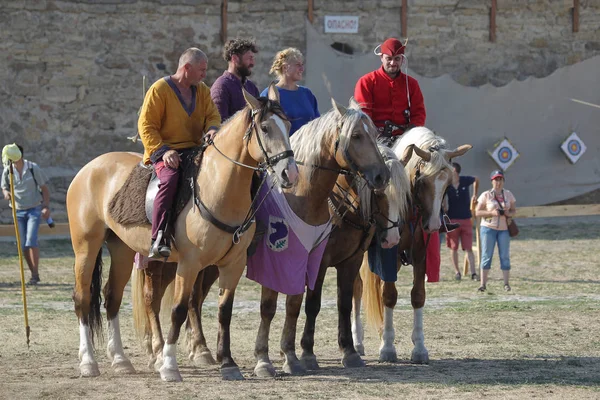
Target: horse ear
341,110
353,104
251,100
425,155
408,152
273,92
459,151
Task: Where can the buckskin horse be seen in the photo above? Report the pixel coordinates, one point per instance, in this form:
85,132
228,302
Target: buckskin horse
257,137
429,172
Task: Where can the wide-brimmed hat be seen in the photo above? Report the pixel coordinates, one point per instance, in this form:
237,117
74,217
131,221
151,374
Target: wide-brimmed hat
392,47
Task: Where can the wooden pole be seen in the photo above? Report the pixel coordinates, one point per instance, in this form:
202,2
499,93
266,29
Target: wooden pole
575,15
310,10
493,22
404,18
224,21
20,250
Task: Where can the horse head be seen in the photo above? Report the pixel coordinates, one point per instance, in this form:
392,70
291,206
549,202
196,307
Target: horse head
428,164
355,147
270,145
391,206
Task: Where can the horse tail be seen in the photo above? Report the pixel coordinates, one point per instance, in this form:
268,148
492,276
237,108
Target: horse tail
372,296
140,317
95,316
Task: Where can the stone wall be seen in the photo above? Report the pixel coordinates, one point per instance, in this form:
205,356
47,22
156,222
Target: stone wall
71,75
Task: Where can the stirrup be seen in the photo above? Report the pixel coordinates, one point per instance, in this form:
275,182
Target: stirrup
159,249
447,225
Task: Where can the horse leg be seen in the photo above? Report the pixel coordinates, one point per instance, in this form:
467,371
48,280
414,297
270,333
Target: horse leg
358,332
184,282
387,351
199,351
121,263
420,355
346,275
312,309
229,369
268,306
291,365
88,274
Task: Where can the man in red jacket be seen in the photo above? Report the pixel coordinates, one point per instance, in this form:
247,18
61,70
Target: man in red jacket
389,95
395,103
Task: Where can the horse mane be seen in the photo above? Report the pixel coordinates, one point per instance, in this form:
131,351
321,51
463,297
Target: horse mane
398,191
427,140
308,141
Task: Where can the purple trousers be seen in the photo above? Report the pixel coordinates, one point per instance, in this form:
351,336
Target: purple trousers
163,202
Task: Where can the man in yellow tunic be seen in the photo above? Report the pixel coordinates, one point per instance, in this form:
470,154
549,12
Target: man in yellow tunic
177,112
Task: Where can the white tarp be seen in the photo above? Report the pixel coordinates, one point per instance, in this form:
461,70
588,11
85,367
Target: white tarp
536,115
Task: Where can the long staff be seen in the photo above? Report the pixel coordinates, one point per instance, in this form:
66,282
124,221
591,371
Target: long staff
14,212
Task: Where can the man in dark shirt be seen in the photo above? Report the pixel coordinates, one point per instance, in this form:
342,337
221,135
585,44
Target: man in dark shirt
226,92
460,202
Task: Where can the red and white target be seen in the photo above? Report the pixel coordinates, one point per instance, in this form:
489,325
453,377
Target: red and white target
573,147
504,153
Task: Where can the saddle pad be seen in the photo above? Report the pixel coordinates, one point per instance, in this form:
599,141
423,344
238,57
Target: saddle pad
128,206
288,256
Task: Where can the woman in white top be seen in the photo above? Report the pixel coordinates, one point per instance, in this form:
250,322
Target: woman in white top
494,207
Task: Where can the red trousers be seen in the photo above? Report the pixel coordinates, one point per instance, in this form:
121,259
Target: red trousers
163,202
432,262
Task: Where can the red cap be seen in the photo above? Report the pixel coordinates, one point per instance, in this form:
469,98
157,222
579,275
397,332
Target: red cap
392,47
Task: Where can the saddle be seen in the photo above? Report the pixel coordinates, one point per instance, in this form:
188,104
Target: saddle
132,205
385,136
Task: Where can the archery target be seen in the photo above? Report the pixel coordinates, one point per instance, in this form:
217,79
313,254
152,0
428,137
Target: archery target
504,153
573,147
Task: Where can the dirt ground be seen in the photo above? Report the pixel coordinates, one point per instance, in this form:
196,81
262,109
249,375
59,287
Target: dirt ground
538,341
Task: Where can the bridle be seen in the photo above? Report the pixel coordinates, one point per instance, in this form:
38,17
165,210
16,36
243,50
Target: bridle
352,171
270,161
417,203
264,167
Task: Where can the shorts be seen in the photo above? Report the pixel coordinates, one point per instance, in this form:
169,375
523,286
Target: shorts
29,224
464,233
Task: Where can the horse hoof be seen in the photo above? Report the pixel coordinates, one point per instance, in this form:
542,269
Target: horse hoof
421,357
89,370
310,362
231,374
360,349
170,375
388,356
124,367
264,369
203,359
293,368
353,361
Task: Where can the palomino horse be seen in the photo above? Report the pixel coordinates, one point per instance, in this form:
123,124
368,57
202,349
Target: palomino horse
316,147
348,242
429,172
258,134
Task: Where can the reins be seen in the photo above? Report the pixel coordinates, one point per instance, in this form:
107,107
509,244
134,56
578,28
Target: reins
264,167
